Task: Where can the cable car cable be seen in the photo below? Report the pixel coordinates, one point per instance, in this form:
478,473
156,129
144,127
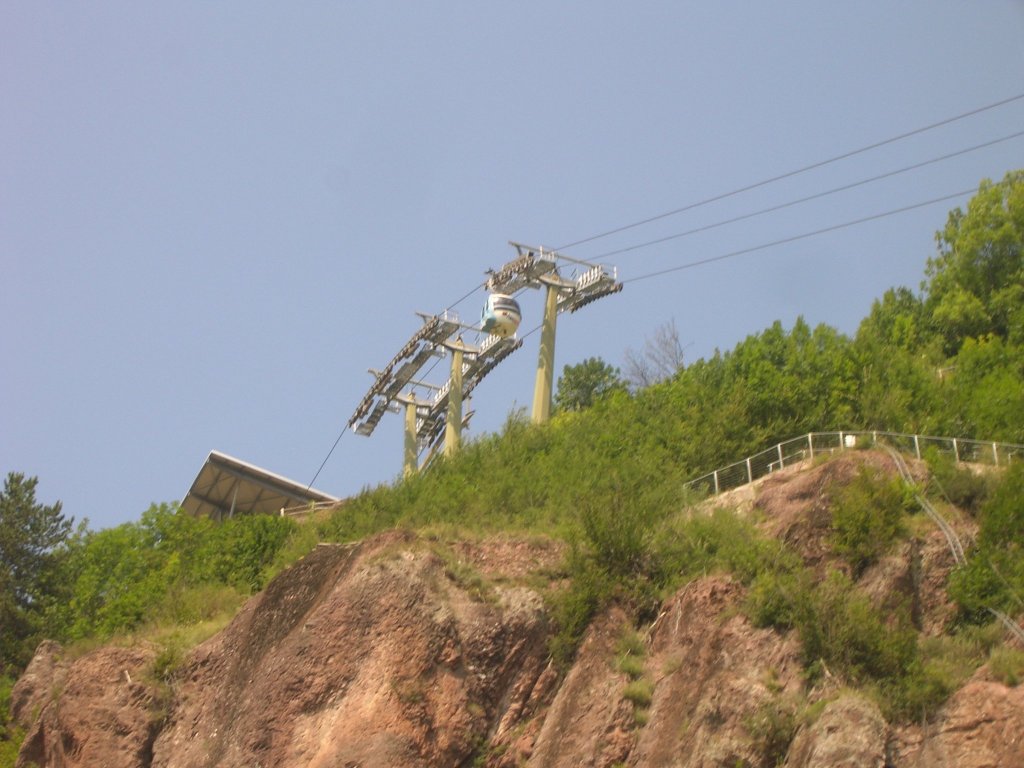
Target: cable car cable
802,236
796,172
328,456
808,198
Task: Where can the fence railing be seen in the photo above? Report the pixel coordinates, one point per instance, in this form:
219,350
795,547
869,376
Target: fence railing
817,443
305,510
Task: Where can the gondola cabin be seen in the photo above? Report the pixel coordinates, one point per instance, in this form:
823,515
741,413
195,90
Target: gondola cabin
501,315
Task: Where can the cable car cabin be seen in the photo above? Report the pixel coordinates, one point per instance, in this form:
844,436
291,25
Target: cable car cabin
501,315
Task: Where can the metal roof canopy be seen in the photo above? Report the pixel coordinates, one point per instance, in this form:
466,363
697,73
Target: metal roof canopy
226,486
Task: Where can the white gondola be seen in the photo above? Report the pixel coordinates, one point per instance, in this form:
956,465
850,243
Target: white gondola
501,315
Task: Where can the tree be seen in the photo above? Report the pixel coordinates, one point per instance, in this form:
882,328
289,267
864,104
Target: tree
660,359
581,385
30,534
976,283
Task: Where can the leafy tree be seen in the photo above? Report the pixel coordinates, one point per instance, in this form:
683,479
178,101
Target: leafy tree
581,385
30,534
976,283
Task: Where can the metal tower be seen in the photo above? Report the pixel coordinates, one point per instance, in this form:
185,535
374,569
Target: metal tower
534,267
427,418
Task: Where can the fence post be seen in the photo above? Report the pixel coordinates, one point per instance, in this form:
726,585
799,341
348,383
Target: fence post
995,454
716,482
956,450
781,465
917,448
842,441
810,443
750,474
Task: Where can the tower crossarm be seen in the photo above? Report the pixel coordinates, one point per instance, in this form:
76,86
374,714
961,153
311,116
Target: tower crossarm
401,370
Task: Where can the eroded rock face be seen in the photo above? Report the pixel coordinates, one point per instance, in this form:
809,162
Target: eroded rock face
100,712
37,685
716,676
981,726
849,733
385,653
367,655
589,723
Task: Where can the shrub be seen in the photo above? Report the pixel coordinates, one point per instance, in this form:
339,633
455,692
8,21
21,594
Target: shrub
839,625
994,574
867,516
964,488
775,598
630,652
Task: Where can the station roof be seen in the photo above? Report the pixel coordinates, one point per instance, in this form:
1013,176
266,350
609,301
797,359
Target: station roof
227,486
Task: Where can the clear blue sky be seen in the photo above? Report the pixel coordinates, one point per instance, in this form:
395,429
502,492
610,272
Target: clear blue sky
214,217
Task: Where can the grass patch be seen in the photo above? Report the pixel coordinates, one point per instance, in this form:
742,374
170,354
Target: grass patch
1007,665
639,692
630,651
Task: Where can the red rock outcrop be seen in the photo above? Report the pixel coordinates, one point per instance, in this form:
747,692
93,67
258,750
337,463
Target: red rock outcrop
714,675
981,726
101,712
365,655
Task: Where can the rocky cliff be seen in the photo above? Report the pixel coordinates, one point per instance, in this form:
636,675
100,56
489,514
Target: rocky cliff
398,652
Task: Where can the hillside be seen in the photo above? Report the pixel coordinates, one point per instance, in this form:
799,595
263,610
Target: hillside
557,594
421,650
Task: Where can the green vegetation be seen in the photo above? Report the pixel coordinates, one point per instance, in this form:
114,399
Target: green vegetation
994,574
867,517
772,726
11,736
607,475
169,566
583,384
30,535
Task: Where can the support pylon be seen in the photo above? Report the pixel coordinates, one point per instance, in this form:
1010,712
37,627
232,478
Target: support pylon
546,359
410,463
453,421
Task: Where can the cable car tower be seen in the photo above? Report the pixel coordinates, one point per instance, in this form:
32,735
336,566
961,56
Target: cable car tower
536,268
394,387
427,418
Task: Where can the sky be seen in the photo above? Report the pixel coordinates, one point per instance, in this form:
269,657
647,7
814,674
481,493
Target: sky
215,217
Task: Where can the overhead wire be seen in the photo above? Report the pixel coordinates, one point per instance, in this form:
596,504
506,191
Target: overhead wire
790,174
808,198
327,457
802,236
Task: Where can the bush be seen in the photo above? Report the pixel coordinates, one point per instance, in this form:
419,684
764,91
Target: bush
11,735
776,598
963,488
994,574
867,516
840,626
1007,665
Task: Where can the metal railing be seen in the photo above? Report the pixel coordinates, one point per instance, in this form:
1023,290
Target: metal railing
817,443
